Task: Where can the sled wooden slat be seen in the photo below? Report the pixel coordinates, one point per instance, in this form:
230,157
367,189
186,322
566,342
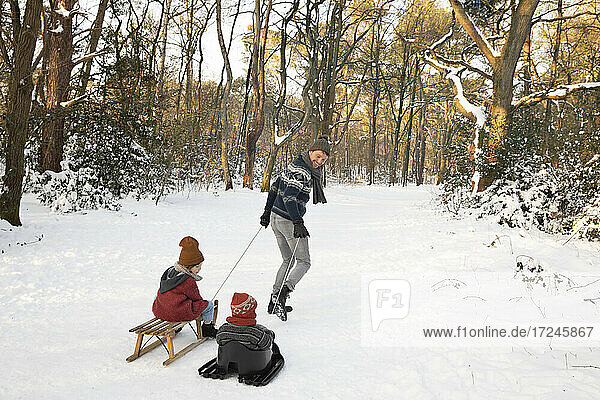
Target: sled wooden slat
155,329
164,332
168,329
150,326
142,325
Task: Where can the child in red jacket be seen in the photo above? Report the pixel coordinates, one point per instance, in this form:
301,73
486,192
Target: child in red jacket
178,298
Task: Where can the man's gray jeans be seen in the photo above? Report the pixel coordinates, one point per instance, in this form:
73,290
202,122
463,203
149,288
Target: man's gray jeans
284,233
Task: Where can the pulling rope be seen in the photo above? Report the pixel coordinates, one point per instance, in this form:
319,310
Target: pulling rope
287,270
236,264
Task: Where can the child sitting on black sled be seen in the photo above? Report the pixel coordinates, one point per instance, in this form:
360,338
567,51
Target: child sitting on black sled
178,298
242,327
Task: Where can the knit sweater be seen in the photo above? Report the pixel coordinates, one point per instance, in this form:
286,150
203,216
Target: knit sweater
291,191
254,337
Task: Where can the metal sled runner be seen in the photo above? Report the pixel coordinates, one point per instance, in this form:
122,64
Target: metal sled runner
165,331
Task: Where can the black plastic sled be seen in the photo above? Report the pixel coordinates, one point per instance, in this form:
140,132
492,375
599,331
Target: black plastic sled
256,368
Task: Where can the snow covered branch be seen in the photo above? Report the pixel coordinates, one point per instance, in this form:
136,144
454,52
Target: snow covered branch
466,108
443,39
63,12
431,53
558,93
287,107
90,56
464,64
593,160
69,103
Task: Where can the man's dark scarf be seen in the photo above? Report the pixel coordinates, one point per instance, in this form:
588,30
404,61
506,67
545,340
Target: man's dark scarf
318,194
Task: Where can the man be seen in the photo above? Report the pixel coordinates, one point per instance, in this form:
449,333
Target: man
286,205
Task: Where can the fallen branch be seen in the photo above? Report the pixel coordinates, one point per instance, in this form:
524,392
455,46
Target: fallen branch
579,287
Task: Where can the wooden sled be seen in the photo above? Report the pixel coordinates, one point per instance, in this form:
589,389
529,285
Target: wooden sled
165,331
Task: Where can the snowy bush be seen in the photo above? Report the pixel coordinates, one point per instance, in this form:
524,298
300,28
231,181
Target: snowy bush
527,202
587,224
70,191
105,159
531,272
552,186
104,140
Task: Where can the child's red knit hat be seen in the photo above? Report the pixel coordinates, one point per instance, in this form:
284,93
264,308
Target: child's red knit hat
243,310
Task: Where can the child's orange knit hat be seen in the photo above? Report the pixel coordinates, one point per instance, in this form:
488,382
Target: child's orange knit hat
190,255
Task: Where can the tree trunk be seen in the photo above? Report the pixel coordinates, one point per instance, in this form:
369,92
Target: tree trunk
274,147
374,105
409,129
224,125
329,81
394,162
59,60
258,84
446,140
94,39
503,67
554,72
190,50
163,50
421,154
17,108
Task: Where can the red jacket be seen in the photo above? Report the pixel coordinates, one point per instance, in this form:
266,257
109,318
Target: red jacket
182,303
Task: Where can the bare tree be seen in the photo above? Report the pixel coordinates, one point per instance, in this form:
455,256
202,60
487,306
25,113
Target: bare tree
278,140
25,36
95,34
58,52
406,159
223,100
261,30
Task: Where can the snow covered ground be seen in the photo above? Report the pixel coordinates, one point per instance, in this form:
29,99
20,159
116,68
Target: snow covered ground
73,285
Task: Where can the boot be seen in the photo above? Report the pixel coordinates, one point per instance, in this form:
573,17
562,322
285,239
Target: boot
283,295
272,302
208,330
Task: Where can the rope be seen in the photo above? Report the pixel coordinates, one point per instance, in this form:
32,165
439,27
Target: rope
236,264
189,323
165,347
287,270
145,343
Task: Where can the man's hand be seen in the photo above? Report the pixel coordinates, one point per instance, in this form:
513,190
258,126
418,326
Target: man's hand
300,230
265,218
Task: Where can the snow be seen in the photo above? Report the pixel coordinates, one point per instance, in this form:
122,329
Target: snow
58,30
557,93
66,104
443,39
62,12
478,112
595,158
282,138
74,284
475,180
